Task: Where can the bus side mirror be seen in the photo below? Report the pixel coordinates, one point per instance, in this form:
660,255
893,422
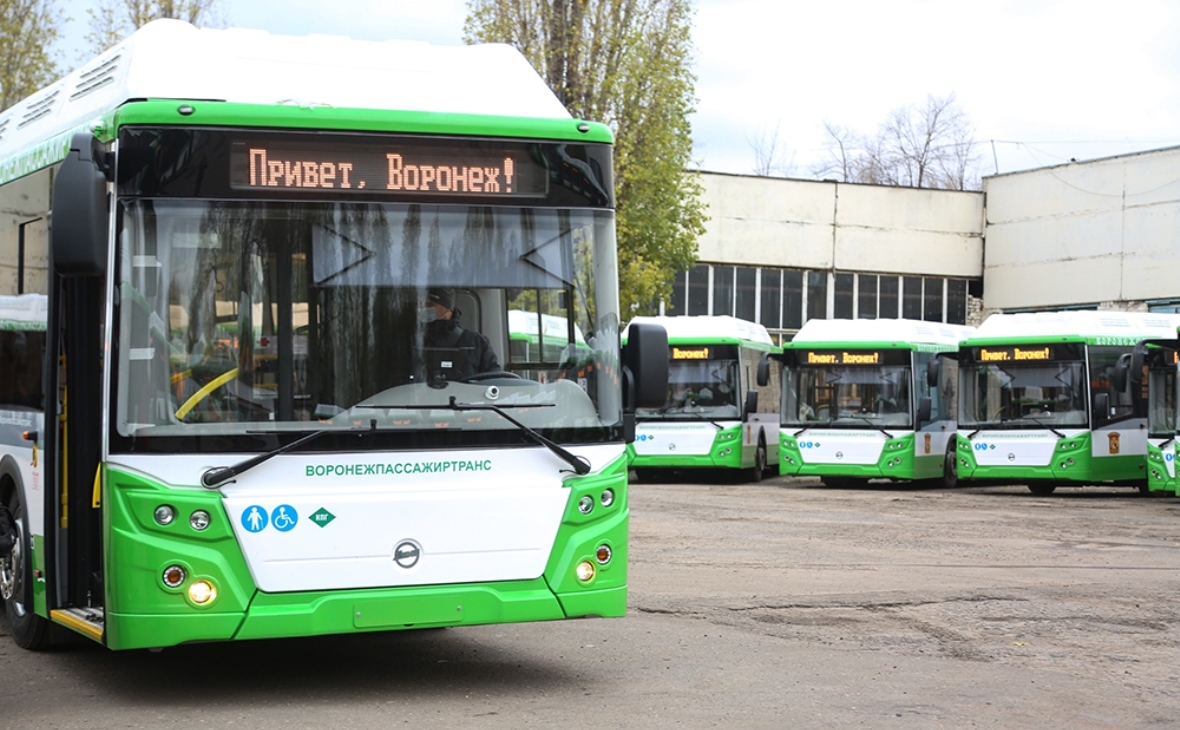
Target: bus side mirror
923,410
1102,405
764,370
1122,370
645,367
751,402
80,217
933,371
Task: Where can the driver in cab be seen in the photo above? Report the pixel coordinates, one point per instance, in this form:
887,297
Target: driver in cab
442,330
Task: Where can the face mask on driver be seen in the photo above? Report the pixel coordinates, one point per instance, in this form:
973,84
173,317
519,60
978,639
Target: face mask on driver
427,315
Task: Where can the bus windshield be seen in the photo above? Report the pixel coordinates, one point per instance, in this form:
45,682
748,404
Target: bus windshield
848,397
237,317
699,389
1022,395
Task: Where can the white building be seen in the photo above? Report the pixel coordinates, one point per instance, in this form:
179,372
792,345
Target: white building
1098,234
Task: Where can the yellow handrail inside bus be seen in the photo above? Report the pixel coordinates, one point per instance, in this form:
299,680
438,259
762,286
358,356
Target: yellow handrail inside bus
204,392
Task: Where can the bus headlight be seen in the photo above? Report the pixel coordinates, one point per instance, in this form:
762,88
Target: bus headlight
586,504
608,497
199,520
164,514
585,571
202,592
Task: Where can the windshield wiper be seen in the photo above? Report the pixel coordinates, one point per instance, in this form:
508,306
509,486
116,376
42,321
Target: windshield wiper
1042,424
219,475
862,418
579,463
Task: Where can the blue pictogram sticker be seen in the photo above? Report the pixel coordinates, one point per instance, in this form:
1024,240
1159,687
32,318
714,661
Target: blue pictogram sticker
284,517
254,518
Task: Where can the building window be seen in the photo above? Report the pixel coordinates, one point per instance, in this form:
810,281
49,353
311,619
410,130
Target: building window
866,303
956,301
888,306
722,290
679,292
772,295
911,297
932,301
745,301
817,294
698,290
792,299
842,303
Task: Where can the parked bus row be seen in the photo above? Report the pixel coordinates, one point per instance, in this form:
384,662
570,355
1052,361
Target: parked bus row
1042,399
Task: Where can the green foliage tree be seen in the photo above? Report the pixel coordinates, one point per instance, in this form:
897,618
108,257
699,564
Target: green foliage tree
113,20
625,63
28,29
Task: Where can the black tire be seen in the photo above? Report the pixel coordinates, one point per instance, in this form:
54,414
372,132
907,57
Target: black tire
950,466
1042,490
29,630
754,473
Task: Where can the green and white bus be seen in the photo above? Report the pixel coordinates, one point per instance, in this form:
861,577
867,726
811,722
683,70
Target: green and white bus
721,411
870,399
1161,358
241,430
1045,399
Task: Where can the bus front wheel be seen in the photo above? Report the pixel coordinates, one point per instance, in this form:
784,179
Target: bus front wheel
29,630
755,472
950,466
1042,490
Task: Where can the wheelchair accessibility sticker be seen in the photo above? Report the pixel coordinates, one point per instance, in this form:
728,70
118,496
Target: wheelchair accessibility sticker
283,518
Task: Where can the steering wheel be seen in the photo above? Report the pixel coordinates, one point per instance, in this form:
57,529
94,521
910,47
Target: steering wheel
490,375
205,391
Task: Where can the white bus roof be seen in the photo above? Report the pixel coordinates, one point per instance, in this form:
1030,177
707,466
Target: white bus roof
686,328
1087,323
881,330
24,312
171,59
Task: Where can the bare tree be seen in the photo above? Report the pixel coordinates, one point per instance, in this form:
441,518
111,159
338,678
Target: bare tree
769,154
928,146
28,28
114,20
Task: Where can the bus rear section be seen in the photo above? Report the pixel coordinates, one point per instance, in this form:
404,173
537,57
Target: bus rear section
870,399
1049,399
720,413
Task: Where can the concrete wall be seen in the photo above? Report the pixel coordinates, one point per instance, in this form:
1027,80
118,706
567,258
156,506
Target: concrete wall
759,221
1106,231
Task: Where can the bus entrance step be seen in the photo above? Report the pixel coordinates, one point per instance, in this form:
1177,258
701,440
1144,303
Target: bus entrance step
87,621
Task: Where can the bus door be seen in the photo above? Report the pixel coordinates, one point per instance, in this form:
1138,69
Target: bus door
73,388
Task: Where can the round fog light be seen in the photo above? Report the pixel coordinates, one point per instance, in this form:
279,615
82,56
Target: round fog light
173,576
199,520
586,504
201,592
608,497
585,571
165,514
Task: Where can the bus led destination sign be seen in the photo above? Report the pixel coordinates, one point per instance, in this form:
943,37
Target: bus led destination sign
841,357
1013,354
690,353
386,165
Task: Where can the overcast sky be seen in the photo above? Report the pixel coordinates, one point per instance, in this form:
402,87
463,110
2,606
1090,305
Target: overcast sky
1042,81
